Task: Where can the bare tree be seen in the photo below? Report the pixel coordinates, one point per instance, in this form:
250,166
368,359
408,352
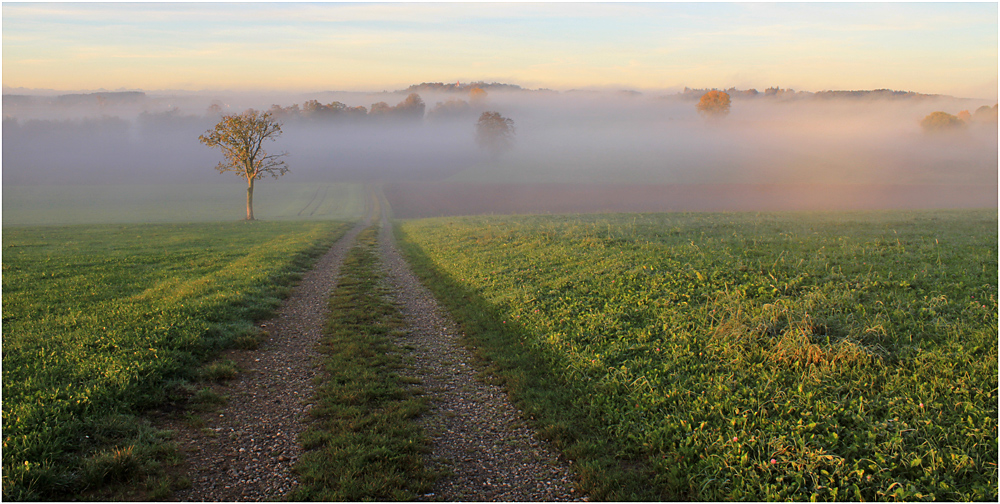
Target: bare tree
495,133
241,138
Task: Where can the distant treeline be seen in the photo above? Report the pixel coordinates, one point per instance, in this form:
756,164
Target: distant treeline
409,107
775,92
410,110
458,87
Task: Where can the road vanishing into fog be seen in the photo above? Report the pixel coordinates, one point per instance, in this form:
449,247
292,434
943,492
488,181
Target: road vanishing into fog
245,450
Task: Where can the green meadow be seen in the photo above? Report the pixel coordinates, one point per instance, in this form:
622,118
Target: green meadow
793,356
102,322
773,356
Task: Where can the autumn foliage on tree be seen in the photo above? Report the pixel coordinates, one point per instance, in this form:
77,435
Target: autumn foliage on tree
714,104
494,133
941,122
477,95
241,138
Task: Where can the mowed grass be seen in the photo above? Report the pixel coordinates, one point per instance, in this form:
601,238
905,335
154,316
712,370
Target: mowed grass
273,200
829,356
101,322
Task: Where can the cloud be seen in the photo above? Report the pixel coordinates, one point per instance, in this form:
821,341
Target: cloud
353,46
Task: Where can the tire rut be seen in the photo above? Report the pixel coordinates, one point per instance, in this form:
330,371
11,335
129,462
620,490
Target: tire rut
480,441
326,189
245,450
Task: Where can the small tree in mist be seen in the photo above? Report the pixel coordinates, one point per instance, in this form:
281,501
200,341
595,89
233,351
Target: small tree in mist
477,96
986,115
451,109
714,104
241,138
941,122
495,133
411,108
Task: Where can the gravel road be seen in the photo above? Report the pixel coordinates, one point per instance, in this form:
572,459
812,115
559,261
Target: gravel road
244,451
479,439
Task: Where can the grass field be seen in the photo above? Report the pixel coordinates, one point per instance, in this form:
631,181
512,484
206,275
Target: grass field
830,356
273,200
103,321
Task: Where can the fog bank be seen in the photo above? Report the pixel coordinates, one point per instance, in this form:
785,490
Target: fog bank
567,137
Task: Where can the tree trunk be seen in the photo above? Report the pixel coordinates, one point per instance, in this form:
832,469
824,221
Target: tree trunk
250,200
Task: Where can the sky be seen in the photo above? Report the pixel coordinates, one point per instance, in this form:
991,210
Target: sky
939,48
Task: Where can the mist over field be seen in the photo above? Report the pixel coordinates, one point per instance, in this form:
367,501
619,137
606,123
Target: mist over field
571,137
588,137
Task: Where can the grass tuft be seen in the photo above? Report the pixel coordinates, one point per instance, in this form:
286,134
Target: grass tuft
206,399
218,371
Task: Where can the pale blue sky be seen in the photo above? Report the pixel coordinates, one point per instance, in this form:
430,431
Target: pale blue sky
948,48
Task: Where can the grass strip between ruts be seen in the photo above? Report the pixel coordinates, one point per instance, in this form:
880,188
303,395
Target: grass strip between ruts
363,444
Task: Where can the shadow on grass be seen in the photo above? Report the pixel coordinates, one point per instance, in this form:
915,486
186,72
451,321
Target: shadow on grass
104,447
603,468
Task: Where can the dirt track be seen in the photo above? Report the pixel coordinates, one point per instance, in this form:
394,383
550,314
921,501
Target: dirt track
478,437
245,450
